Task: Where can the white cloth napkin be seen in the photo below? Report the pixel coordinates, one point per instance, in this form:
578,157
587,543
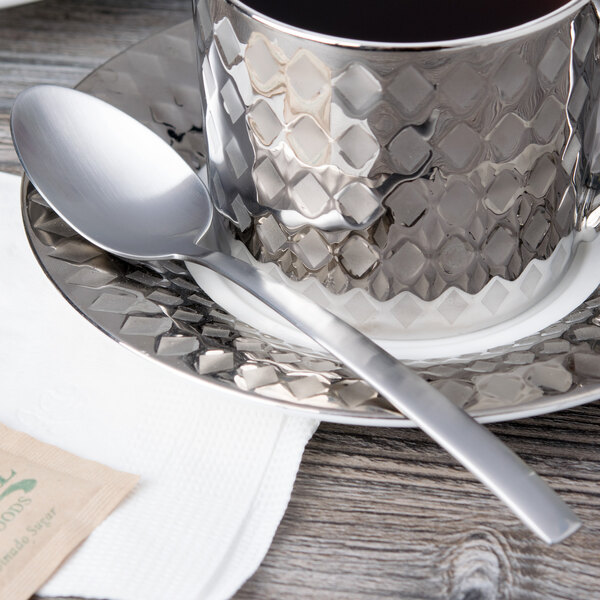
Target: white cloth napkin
216,471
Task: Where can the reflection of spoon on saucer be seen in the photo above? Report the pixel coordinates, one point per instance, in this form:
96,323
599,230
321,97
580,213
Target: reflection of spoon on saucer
124,189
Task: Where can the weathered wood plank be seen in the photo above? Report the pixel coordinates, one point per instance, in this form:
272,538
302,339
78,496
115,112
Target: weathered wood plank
374,513
383,513
62,41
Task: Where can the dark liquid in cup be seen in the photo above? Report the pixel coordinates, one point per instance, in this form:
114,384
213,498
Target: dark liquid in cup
405,20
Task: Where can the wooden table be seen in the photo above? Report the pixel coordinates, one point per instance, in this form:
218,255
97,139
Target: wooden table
375,513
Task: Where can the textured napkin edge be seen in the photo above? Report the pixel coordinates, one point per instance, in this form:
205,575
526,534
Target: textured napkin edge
294,435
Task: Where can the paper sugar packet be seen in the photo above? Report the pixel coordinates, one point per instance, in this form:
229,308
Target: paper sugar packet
50,501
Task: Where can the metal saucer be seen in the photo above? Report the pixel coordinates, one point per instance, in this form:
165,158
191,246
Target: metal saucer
159,311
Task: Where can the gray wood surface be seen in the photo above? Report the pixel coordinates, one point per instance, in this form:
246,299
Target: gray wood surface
374,513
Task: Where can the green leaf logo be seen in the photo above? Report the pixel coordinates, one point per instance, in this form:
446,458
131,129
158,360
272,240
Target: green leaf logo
25,485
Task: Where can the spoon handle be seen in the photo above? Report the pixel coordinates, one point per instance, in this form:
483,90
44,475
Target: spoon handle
492,462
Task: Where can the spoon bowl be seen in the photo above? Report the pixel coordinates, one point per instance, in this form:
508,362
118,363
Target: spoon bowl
149,208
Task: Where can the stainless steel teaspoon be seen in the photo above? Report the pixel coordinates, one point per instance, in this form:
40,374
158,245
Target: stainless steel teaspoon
124,189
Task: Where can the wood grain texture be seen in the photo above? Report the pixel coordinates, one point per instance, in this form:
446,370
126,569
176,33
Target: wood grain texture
386,514
62,41
374,513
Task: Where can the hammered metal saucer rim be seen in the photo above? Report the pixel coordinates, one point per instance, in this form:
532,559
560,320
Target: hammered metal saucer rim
572,399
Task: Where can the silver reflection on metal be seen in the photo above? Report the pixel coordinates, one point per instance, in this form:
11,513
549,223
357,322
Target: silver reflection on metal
392,168
158,310
86,157
554,369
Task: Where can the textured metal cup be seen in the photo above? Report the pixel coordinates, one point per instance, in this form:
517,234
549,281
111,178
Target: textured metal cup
414,189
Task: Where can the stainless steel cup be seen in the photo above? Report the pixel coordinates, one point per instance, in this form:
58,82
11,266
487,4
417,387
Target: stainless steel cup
414,189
